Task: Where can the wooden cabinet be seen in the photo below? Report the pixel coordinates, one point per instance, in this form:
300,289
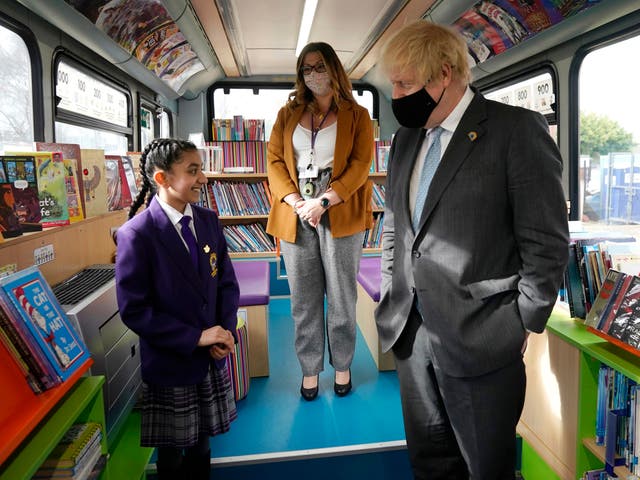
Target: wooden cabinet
559,418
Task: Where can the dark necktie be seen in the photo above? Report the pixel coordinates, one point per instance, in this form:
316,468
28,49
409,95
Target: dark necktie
189,239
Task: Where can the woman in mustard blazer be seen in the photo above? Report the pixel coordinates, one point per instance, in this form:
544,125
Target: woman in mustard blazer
319,155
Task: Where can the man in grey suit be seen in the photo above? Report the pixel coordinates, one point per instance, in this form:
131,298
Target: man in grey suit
474,249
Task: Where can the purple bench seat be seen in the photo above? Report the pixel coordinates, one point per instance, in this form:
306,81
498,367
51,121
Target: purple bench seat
370,277
253,279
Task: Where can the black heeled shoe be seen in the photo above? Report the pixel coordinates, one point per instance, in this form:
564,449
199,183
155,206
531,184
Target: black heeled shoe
309,393
342,389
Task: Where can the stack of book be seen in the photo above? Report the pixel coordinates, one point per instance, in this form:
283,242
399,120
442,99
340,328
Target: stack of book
591,255
36,331
76,456
616,309
619,432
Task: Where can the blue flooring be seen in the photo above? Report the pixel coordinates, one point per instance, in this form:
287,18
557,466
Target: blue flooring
273,418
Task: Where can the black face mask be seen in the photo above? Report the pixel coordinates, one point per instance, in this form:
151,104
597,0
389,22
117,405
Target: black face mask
414,110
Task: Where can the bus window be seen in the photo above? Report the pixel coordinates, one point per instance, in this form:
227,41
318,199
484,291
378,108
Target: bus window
609,134
264,103
16,107
90,111
165,125
535,93
146,127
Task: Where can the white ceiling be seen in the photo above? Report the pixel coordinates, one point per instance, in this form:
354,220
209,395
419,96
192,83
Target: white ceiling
268,30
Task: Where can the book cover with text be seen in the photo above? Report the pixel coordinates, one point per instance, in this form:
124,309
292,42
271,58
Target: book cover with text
40,312
20,172
72,157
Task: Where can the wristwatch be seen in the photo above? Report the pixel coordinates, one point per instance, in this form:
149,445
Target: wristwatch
324,202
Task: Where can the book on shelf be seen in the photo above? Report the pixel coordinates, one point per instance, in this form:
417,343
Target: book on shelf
76,453
20,172
72,157
31,360
135,158
34,306
616,323
9,221
118,192
52,189
602,299
94,183
608,322
130,175
629,314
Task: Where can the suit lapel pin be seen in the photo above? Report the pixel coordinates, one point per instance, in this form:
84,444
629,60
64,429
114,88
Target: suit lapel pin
472,136
206,249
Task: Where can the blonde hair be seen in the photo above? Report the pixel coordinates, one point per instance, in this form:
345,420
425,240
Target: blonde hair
424,46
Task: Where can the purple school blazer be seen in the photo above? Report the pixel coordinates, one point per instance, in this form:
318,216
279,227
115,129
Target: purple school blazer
167,302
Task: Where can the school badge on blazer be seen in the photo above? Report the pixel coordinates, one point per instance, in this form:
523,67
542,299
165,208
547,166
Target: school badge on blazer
213,263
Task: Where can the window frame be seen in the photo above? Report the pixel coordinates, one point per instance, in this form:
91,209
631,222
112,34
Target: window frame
574,108
229,84
529,72
37,89
64,116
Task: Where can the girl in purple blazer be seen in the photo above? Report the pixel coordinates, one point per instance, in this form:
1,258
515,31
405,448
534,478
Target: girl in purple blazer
177,290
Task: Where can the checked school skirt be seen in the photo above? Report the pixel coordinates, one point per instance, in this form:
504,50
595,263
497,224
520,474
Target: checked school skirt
178,416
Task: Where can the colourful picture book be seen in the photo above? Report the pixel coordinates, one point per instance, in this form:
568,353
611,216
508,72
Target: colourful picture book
619,315
52,191
601,301
118,192
38,373
130,174
9,222
72,157
72,447
20,172
94,182
36,305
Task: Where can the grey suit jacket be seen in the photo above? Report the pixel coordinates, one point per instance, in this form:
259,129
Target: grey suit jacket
489,255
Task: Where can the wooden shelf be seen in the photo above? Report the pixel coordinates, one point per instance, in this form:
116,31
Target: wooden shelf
377,175
599,452
79,398
236,176
271,254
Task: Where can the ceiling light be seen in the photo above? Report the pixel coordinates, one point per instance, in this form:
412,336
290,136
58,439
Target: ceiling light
305,25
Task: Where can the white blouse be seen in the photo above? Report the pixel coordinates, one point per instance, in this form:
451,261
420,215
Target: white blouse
325,146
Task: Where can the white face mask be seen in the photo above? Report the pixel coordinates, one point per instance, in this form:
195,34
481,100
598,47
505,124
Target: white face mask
318,83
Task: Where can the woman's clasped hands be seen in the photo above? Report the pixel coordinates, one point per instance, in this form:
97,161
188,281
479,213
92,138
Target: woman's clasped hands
310,210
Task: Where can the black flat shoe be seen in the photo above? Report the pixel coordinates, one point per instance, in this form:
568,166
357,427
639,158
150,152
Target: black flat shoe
342,389
308,393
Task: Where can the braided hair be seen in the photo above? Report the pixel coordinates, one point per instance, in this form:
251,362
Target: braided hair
159,154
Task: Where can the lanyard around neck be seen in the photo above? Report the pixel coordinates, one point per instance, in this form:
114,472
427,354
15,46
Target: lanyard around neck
314,131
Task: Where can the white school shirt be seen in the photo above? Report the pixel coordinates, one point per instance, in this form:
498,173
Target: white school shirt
175,216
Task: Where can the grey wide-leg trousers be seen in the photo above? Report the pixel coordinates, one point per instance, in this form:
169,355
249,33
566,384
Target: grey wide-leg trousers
317,264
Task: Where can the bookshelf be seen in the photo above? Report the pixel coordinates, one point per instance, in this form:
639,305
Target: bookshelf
240,194
31,425
559,417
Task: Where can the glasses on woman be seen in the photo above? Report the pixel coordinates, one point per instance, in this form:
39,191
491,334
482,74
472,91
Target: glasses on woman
318,67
